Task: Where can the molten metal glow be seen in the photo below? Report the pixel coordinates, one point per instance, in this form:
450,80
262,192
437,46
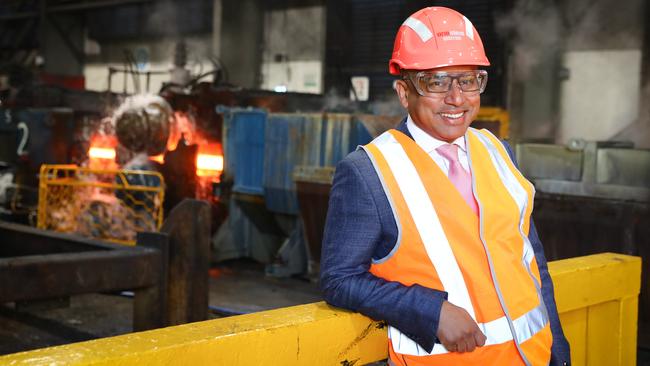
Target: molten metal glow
208,165
101,153
158,158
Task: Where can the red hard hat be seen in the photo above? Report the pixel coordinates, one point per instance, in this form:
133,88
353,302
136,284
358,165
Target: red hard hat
436,37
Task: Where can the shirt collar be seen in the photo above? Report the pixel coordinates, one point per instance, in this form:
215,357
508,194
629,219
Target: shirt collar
427,142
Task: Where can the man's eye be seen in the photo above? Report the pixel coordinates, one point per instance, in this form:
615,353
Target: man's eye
467,81
436,83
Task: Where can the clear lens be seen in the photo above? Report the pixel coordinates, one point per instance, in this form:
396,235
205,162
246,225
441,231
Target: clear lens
428,83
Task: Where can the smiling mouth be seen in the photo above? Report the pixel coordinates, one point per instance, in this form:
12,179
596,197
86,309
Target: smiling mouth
452,115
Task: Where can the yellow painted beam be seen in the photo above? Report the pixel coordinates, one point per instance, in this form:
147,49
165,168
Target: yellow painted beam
313,334
597,298
584,281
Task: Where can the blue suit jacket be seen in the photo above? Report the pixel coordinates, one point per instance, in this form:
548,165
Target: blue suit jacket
361,227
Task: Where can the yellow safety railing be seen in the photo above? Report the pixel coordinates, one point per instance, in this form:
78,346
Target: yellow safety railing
596,296
105,204
494,119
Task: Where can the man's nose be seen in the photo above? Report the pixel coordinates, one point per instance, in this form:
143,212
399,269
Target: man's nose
454,96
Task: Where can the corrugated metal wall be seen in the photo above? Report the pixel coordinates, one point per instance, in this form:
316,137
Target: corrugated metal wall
360,35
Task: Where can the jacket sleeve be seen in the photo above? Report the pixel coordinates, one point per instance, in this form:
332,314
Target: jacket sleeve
352,233
560,352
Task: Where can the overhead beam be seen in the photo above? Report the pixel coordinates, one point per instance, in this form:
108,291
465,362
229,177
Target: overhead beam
83,5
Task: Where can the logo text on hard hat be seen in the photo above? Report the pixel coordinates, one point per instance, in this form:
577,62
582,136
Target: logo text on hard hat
453,35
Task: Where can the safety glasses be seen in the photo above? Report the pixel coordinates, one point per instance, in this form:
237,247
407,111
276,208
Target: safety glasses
435,84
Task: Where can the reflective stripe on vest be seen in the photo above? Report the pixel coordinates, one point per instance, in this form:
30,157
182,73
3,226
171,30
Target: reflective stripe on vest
400,177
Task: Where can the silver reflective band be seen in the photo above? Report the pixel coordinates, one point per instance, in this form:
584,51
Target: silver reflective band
469,31
497,331
520,196
420,28
425,219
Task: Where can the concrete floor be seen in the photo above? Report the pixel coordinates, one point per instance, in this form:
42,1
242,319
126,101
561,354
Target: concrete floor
235,288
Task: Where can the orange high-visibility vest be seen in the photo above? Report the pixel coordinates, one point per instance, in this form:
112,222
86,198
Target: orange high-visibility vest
485,263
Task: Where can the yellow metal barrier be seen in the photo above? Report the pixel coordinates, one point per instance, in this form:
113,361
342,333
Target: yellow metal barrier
596,295
495,119
100,203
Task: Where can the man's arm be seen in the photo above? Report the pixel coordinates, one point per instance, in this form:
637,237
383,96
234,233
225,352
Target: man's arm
352,235
560,352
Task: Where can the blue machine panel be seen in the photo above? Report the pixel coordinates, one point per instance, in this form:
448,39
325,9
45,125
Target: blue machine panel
244,148
291,140
342,133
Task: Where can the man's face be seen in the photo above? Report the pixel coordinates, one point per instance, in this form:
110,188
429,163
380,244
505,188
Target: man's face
444,116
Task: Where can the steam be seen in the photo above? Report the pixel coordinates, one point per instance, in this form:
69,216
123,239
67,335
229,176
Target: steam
534,28
99,207
639,131
386,106
164,16
540,30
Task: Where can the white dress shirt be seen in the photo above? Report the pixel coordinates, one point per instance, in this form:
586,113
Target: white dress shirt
430,144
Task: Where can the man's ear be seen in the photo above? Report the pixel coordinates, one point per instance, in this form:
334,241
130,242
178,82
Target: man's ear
402,89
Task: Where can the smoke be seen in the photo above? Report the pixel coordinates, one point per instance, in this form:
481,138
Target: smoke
534,29
164,18
539,32
388,106
638,132
334,101
385,106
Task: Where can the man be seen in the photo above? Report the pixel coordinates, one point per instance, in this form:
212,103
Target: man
429,225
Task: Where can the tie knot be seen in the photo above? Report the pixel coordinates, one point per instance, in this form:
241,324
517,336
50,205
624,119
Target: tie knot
449,152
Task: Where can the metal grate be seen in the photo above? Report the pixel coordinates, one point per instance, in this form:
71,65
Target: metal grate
111,205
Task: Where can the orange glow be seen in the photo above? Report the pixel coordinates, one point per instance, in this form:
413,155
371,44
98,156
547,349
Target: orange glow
101,153
209,161
208,165
185,126
158,158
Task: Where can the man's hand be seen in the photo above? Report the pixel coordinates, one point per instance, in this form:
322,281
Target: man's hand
457,331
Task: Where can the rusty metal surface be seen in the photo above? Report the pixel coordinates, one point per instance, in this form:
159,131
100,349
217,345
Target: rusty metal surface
54,275
37,264
313,198
150,303
21,240
313,185
188,227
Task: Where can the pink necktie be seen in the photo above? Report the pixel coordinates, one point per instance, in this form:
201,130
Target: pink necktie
458,176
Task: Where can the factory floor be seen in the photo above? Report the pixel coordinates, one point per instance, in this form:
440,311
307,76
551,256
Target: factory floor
236,287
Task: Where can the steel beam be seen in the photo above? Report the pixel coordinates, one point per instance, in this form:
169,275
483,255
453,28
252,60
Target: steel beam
150,303
37,264
188,226
56,275
20,240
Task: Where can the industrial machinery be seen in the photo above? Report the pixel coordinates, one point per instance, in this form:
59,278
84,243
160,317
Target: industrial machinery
592,197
